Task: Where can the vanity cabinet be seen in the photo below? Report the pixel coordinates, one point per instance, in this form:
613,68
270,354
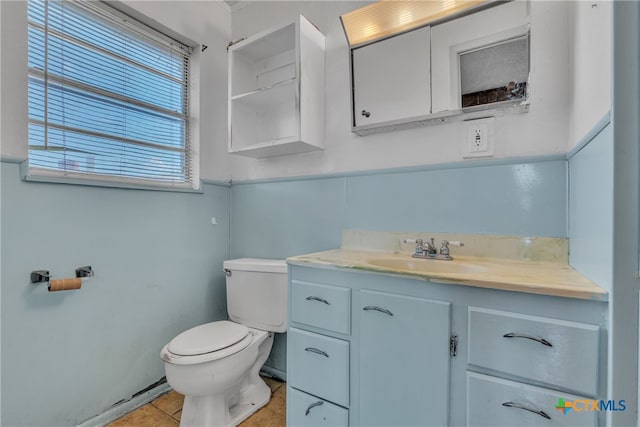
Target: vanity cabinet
391,79
367,348
355,347
276,92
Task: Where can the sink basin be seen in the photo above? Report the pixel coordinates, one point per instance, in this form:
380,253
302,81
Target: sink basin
427,266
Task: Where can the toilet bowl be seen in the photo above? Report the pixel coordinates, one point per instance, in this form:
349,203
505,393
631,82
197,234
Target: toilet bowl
222,387
216,366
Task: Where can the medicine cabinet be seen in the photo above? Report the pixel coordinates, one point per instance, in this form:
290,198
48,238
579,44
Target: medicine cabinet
276,92
465,67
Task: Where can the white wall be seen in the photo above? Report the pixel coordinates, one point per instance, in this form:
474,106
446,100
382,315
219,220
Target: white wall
541,131
591,62
206,22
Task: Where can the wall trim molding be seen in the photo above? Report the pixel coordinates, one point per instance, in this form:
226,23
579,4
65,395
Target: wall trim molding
5,158
273,373
217,182
410,169
590,135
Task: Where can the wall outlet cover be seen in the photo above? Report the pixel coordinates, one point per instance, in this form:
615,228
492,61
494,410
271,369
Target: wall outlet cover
478,140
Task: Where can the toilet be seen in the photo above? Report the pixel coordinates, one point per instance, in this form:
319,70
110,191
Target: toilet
216,365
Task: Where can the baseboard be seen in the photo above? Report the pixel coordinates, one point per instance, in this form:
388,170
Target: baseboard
134,403
127,406
273,373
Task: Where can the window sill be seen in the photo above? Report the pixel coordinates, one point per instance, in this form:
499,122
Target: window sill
56,177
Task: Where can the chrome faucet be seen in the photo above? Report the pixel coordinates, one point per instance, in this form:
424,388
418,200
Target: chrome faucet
427,250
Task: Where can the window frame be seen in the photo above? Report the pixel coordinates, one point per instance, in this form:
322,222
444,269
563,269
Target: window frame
142,31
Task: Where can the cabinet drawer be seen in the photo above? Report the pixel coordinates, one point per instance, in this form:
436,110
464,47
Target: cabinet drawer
557,352
304,410
319,365
323,306
496,402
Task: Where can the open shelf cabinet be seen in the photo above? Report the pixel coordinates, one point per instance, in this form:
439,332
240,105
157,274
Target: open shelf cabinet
276,92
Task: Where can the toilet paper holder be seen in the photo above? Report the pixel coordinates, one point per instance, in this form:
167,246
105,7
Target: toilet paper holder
86,271
39,276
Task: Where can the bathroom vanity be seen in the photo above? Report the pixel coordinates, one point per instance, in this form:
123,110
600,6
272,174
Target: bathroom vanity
379,339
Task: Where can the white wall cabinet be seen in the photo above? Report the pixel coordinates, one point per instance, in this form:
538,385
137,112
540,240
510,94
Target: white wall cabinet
276,92
415,78
391,79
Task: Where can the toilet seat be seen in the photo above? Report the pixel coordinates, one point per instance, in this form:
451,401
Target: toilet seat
207,342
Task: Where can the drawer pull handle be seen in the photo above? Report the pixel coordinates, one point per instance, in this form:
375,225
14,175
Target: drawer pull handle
529,337
381,310
519,406
313,405
316,351
322,300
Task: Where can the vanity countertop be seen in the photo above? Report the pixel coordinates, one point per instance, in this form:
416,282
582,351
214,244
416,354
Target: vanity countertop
545,278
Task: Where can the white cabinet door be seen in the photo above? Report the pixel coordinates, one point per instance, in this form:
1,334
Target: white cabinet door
404,360
391,78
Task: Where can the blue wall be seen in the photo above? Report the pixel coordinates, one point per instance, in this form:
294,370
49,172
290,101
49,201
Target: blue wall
591,209
68,356
283,218
158,262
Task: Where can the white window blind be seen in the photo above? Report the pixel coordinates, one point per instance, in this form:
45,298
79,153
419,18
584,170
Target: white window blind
108,96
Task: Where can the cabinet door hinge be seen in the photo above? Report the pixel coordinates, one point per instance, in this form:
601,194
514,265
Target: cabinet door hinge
453,345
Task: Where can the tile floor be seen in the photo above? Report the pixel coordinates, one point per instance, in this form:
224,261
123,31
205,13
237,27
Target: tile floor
165,411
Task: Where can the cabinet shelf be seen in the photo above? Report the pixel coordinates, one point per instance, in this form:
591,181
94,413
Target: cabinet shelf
275,147
267,96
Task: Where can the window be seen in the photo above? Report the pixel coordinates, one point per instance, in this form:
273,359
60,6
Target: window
108,97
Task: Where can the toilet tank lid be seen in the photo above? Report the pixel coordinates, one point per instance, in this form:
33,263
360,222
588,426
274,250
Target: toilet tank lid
256,264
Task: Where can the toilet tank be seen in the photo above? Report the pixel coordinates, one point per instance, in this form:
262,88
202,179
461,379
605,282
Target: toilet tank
257,293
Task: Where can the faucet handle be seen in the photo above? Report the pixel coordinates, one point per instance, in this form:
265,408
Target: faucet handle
416,241
444,249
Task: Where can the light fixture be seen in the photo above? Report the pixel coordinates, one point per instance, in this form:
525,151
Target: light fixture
389,17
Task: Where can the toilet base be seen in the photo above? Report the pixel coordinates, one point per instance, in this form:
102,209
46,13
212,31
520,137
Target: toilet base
201,411
236,404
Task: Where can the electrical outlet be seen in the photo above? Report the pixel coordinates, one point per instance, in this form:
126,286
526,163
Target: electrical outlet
479,138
